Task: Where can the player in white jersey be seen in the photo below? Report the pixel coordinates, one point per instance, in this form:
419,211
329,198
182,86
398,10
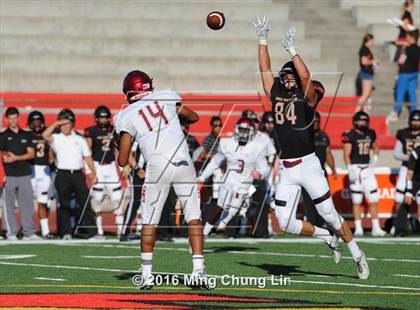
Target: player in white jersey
152,121
246,161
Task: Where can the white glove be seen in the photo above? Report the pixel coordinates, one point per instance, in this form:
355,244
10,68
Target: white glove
288,42
352,173
261,26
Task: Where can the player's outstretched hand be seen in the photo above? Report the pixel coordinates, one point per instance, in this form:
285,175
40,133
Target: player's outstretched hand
288,41
262,28
256,175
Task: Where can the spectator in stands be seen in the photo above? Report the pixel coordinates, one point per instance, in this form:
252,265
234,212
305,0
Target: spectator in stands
211,142
17,152
408,74
191,140
407,22
367,65
71,151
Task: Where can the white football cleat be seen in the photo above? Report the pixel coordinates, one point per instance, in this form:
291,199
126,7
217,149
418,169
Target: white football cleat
147,283
378,232
32,238
362,267
335,248
200,280
359,232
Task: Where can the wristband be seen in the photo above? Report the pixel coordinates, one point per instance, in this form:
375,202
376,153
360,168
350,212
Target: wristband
292,52
263,42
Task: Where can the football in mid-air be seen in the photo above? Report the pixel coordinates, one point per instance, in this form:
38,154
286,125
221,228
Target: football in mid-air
215,20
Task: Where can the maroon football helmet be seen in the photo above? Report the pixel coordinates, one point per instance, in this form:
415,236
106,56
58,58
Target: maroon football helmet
137,84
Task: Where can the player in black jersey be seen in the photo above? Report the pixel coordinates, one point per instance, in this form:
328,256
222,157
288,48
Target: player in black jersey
412,191
294,99
359,142
407,140
100,140
41,170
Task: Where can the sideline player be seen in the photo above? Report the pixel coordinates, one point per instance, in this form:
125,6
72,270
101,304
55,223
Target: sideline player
99,139
412,191
246,161
41,170
294,100
407,140
358,144
152,120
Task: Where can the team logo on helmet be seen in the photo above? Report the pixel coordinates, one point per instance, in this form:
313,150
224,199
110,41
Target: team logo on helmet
244,130
136,85
248,113
36,121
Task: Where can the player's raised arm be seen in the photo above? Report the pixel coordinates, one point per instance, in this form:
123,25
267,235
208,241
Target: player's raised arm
305,76
186,113
267,77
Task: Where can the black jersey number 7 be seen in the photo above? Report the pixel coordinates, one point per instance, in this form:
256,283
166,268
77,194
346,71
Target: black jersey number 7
283,114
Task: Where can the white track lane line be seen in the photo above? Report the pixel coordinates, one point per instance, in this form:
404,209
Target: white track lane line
216,276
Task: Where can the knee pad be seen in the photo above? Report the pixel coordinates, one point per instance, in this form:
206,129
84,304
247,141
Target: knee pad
328,212
290,225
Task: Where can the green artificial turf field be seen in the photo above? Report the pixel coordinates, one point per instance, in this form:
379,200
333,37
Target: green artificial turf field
30,273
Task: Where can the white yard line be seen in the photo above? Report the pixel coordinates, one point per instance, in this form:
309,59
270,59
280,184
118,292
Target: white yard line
405,260
217,276
109,257
50,279
406,275
405,240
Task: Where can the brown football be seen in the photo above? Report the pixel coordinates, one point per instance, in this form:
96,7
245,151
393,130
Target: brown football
215,20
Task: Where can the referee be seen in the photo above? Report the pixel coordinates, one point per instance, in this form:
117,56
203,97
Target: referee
71,151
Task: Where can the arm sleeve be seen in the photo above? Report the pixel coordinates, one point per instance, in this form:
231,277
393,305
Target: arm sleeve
413,160
345,138
399,153
85,148
262,166
328,140
123,124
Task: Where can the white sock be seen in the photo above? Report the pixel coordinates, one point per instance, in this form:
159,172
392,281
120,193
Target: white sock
358,224
198,262
44,226
207,229
146,264
322,234
354,250
222,225
99,225
118,222
375,224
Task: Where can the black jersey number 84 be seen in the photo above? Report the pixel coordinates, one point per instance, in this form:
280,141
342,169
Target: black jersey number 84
283,114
